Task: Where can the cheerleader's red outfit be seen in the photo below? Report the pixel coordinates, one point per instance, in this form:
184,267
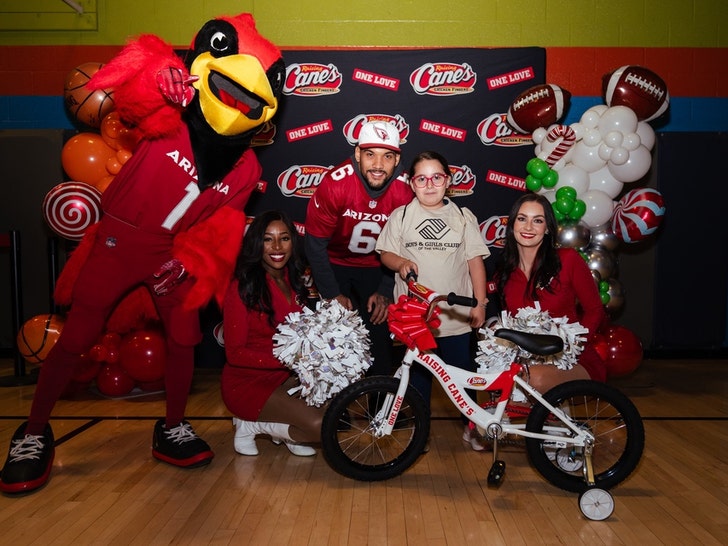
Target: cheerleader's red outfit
251,372
574,296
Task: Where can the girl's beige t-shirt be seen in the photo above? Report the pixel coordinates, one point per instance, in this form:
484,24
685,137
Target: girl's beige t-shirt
440,242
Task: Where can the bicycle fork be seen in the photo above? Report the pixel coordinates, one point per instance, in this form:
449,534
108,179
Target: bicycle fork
386,416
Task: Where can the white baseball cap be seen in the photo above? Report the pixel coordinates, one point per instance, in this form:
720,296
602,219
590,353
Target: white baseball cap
379,134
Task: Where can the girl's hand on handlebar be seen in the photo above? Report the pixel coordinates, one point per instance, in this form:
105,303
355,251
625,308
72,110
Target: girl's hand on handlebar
407,268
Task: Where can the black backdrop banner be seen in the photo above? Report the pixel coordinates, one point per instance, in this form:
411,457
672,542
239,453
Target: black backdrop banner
453,101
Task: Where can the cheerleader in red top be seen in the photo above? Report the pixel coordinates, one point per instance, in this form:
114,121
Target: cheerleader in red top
533,269
267,286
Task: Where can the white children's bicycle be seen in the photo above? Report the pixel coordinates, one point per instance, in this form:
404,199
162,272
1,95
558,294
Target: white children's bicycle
582,436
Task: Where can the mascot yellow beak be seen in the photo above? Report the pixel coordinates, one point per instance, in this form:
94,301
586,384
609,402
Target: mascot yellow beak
230,107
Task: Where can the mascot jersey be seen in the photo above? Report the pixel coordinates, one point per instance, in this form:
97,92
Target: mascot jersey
342,211
162,175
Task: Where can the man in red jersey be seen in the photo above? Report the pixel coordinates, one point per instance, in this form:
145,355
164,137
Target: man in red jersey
344,218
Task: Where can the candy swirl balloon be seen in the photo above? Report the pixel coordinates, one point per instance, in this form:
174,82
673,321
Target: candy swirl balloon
638,214
70,208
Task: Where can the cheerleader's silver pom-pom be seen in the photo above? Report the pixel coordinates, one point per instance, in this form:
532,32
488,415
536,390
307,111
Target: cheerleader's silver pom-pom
328,349
495,354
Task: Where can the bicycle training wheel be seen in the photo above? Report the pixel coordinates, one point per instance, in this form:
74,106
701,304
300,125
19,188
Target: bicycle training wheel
610,416
347,433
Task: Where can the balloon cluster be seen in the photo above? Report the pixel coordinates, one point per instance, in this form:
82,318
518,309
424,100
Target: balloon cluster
583,168
120,363
90,158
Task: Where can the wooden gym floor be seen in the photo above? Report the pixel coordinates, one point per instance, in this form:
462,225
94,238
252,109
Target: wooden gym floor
106,488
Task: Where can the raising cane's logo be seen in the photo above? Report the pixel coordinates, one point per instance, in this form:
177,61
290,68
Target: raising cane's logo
312,79
442,79
493,231
495,131
463,181
301,180
353,126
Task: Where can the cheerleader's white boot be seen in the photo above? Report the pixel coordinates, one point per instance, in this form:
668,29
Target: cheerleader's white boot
245,432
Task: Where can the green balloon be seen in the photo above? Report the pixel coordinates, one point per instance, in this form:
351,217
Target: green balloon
533,183
579,209
564,205
551,179
566,191
537,167
605,297
603,286
557,213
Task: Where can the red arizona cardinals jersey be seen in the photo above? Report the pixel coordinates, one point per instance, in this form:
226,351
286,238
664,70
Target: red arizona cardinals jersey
342,211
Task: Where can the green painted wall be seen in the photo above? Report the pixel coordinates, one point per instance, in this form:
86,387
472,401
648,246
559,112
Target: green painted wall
426,23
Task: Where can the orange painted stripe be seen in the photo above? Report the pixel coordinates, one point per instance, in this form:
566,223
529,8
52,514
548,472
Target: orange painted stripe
688,72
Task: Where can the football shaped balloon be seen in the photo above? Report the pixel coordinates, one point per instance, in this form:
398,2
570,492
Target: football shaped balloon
539,106
637,88
638,214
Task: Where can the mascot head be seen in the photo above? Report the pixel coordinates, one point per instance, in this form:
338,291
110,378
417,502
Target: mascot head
240,74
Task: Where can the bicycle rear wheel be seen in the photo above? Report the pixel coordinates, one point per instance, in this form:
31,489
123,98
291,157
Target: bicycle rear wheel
610,416
347,434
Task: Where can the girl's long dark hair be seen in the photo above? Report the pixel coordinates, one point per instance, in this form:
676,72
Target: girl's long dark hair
249,270
546,265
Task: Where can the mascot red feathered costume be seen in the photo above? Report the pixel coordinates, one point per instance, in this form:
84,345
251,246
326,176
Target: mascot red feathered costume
173,219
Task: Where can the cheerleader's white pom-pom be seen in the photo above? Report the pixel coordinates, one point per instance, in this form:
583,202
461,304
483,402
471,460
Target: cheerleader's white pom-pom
328,349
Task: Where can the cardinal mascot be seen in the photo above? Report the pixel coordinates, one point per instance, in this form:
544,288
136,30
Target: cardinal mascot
172,224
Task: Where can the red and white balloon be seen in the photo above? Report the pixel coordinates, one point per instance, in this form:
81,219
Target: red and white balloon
638,214
70,208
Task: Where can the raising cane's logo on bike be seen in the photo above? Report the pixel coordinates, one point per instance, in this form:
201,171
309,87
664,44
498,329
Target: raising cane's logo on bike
312,79
493,231
495,131
353,126
463,181
441,79
301,180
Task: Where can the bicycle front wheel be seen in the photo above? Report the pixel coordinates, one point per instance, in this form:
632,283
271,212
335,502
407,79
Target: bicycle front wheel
347,434
609,415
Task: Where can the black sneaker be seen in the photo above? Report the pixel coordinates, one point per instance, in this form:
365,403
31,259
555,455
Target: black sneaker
180,446
29,461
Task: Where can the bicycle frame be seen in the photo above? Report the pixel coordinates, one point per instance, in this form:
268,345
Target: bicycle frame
454,381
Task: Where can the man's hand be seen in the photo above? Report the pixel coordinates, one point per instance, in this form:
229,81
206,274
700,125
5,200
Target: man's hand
345,302
377,306
171,274
176,85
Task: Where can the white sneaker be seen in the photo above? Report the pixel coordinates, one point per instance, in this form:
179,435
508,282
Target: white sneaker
471,436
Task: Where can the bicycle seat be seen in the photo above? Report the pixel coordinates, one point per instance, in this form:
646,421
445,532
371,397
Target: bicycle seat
537,344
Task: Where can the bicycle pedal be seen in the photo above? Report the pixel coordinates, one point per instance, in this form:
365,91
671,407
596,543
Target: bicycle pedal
497,472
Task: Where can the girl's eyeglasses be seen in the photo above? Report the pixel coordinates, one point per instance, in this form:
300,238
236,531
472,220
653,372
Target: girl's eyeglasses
420,181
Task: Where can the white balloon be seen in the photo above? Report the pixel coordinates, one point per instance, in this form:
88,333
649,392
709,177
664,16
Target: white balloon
587,157
538,135
619,156
549,194
592,137
599,208
646,134
573,176
605,151
634,168
631,141
590,118
603,181
614,139
618,118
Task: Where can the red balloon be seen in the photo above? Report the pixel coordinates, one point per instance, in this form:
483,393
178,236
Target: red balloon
143,354
624,351
114,381
601,346
84,157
